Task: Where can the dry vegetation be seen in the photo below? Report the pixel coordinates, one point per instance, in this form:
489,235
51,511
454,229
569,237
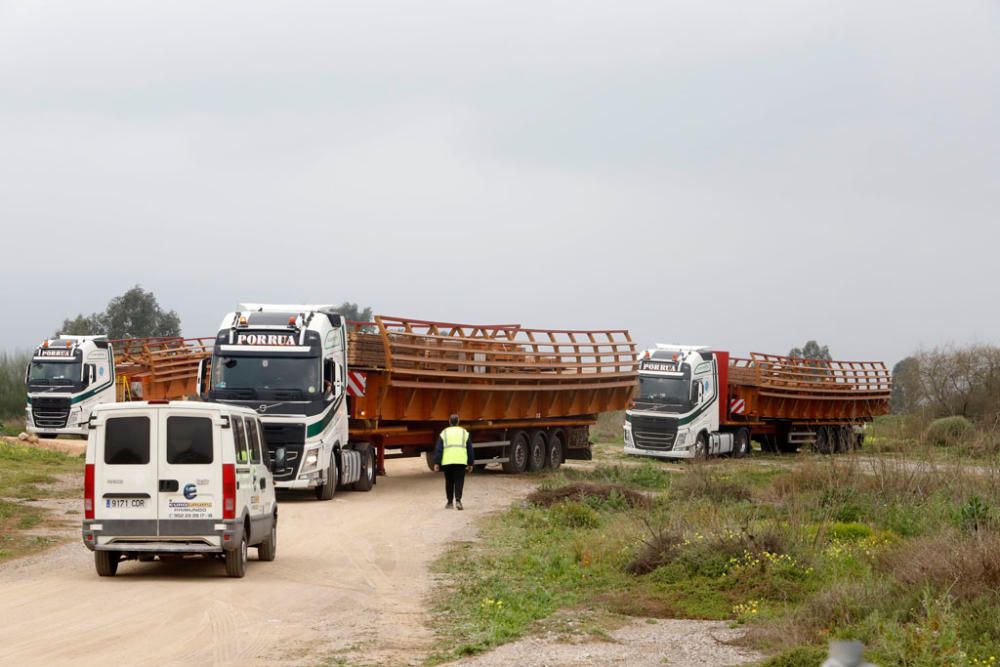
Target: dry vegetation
904,557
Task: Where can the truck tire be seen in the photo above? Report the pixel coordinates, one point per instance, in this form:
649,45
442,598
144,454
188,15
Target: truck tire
268,549
429,457
326,491
741,443
236,559
554,454
701,447
537,451
106,563
517,453
367,480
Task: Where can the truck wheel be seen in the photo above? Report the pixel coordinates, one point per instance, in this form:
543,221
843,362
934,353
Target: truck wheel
106,563
844,439
326,491
367,480
741,443
429,457
536,451
554,457
236,559
701,446
268,549
517,453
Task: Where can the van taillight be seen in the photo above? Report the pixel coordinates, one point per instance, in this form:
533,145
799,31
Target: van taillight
88,491
228,491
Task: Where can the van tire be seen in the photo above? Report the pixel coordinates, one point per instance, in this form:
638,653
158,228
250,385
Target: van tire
367,479
268,549
326,491
106,562
236,560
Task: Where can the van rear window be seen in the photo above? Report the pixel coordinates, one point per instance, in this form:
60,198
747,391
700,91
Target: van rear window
126,441
189,440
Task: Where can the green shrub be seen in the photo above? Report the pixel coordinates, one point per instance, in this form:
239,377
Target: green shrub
575,515
949,431
849,532
802,656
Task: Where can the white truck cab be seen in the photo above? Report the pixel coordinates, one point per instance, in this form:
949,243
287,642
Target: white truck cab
66,379
177,478
675,413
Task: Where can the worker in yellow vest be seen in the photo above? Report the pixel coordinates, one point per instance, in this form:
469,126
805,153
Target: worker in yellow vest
453,453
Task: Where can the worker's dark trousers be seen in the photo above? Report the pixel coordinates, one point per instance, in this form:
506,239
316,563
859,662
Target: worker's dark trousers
454,480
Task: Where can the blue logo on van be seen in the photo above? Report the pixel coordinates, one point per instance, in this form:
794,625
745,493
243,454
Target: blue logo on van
190,491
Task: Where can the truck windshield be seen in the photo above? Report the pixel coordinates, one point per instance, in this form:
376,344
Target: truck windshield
672,390
46,373
297,374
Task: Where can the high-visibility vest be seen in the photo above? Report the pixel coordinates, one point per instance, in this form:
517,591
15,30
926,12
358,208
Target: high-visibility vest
455,439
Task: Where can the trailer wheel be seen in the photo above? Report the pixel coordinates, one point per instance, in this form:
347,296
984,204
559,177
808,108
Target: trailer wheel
841,439
429,458
554,457
824,444
517,453
367,479
106,562
741,443
537,451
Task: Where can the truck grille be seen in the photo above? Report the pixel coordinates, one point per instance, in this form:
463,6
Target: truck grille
292,456
50,412
654,432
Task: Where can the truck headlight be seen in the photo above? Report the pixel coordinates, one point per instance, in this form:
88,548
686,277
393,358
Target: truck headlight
681,438
311,460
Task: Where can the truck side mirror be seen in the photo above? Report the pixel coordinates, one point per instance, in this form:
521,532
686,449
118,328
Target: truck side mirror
27,372
200,381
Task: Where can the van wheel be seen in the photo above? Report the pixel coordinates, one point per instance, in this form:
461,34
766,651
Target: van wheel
236,560
367,480
268,549
106,562
326,491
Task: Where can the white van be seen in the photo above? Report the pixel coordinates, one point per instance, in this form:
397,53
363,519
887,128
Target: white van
176,478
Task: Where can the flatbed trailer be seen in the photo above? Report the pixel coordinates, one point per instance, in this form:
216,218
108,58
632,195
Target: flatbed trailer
696,401
527,396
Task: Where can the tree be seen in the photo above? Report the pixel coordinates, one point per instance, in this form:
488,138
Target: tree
134,314
905,386
811,350
354,312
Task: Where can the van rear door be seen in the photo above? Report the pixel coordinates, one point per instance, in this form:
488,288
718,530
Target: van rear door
125,479
190,471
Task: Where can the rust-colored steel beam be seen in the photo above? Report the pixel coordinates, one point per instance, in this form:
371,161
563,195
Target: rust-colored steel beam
422,370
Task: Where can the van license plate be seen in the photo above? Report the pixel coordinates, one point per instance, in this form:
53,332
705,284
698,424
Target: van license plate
125,503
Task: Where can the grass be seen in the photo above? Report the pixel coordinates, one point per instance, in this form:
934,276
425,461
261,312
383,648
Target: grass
904,559
28,473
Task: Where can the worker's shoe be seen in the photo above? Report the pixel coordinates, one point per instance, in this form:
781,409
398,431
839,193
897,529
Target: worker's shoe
458,504
448,506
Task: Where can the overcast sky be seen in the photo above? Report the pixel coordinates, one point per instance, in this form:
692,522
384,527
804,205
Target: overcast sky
744,175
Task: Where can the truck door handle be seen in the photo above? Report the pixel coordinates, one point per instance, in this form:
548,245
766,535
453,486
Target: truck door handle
263,484
168,485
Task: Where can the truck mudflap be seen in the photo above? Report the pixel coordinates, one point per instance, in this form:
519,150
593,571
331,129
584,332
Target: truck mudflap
167,536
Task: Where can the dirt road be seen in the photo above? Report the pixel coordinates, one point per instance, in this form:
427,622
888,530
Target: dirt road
348,585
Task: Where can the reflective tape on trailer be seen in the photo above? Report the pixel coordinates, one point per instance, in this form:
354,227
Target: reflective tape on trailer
737,406
356,382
